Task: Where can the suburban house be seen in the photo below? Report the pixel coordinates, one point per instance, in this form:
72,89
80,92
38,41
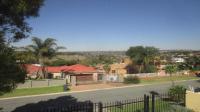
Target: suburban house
33,70
55,72
75,74
81,74
178,60
120,68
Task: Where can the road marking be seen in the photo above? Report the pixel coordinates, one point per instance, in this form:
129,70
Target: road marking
91,90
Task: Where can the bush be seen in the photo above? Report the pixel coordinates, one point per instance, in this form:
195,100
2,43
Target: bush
132,69
177,93
132,80
149,69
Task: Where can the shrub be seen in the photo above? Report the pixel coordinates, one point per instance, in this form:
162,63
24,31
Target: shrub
132,80
149,69
132,69
177,93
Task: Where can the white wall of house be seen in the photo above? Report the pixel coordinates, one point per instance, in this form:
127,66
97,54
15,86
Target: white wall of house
68,78
31,76
178,60
95,77
56,75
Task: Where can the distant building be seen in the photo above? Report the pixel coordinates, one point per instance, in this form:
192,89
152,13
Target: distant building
178,60
120,68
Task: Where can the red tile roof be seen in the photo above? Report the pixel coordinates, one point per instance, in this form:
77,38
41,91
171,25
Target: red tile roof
53,69
79,68
30,68
74,68
56,69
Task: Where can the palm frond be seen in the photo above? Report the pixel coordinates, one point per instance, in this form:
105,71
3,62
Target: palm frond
49,42
37,41
60,47
33,48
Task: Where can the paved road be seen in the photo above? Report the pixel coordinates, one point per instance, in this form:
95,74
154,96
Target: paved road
94,96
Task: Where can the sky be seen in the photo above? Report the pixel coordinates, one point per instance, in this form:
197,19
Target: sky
103,25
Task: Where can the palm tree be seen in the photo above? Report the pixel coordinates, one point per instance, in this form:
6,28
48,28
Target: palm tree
171,69
43,50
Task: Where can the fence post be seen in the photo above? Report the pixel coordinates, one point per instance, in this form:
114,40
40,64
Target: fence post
184,102
100,107
31,84
153,102
91,107
146,103
48,82
145,108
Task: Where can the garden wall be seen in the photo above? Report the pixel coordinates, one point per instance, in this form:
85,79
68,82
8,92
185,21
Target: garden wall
41,83
193,100
142,75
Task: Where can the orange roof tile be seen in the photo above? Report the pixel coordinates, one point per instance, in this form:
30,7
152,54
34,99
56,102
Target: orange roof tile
79,68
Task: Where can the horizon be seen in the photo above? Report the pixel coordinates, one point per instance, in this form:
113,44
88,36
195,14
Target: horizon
116,25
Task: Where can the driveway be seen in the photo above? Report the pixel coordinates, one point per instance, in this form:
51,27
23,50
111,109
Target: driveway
105,95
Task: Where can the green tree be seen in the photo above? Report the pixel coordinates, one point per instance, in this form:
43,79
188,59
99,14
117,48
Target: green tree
43,50
14,14
171,69
177,93
183,66
13,27
10,72
25,57
194,63
142,56
99,59
107,68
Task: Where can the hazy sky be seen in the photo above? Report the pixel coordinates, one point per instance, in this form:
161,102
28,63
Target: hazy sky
86,25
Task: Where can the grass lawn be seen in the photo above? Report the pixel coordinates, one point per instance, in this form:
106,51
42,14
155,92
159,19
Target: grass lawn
166,79
33,91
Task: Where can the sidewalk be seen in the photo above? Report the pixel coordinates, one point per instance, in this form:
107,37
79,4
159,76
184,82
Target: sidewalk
96,86
116,85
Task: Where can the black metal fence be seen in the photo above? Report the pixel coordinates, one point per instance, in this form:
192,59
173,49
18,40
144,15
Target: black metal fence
149,103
